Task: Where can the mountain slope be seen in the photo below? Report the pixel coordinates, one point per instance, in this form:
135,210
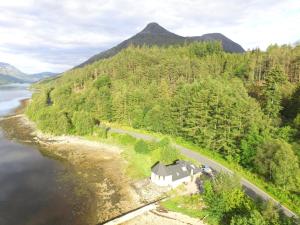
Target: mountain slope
228,45
154,34
39,76
6,79
10,74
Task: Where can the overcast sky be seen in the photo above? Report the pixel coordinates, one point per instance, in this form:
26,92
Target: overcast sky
55,35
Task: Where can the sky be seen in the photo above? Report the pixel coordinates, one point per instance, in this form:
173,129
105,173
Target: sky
55,35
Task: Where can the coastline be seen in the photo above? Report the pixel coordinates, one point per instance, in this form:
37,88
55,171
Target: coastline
100,168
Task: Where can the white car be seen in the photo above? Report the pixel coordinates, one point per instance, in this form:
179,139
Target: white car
207,169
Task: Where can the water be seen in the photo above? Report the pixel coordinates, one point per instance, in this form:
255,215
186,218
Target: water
34,189
10,96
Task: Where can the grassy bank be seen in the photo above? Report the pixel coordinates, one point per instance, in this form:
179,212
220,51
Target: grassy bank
293,203
140,155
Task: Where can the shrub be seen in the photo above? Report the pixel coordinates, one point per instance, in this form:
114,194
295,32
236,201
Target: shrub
101,131
141,147
168,154
126,139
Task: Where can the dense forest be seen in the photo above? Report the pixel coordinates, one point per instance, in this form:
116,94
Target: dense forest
244,107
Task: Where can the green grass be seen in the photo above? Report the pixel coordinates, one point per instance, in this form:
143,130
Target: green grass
189,205
138,164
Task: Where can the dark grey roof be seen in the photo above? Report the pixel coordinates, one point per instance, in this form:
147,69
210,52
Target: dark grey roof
160,169
178,170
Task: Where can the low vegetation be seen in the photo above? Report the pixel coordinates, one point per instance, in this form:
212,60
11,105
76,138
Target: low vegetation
141,155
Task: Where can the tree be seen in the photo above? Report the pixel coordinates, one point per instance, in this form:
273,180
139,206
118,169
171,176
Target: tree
253,218
164,151
249,145
272,94
271,213
277,162
83,123
223,195
296,121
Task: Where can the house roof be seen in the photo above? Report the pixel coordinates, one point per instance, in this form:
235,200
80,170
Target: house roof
160,169
178,170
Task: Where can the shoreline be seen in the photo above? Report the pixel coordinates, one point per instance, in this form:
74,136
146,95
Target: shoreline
99,166
116,193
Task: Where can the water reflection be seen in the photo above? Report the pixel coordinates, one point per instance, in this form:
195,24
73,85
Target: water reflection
30,191
10,96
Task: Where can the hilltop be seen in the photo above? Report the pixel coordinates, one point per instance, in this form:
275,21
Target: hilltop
154,34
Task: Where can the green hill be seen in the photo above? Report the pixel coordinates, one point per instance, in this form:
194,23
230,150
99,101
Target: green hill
236,105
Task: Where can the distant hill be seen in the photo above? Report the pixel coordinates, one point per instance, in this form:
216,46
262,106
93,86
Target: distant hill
154,34
5,79
40,76
10,74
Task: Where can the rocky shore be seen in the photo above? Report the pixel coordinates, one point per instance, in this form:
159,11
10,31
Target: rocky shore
99,167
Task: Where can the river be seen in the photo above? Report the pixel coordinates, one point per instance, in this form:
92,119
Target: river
34,189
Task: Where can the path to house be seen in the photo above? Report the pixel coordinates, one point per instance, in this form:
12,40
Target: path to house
251,189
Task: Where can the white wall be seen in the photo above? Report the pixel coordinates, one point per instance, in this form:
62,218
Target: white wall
167,181
160,180
180,181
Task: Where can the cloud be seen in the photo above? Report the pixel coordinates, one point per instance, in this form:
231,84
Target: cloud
55,35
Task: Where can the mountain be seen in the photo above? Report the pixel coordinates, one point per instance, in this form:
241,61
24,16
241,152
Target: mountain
10,74
41,76
154,34
228,45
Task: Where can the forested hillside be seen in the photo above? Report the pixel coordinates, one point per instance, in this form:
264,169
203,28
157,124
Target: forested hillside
245,107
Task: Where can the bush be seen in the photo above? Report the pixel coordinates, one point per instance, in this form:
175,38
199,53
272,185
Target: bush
141,147
165,142
126,139
101,131
168,154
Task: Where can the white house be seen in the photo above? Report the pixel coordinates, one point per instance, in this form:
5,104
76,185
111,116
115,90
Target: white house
174,174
